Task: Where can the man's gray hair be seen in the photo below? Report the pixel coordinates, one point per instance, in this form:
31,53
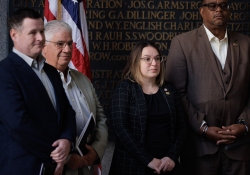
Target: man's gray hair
55,26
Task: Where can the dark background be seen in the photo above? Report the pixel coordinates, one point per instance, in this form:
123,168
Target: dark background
116,25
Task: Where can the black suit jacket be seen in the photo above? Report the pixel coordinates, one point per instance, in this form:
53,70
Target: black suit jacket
129,119
29,123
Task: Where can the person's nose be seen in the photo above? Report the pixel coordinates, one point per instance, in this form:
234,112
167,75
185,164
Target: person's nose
67,48
218,8
40,36
153,62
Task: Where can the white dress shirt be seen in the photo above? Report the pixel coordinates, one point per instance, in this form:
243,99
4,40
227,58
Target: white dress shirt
219,46
77,101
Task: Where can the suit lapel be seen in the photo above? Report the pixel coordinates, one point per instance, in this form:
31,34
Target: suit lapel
234,49
210,54
30,76
51,72
168,96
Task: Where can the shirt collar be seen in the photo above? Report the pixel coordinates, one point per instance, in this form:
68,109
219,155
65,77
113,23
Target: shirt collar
40,59
27,59
211,36
68,76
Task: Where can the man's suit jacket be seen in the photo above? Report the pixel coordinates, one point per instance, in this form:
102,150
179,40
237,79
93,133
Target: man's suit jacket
192,66
29,123
129,119
100,132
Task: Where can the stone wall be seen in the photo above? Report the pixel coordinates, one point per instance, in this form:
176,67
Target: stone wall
3,29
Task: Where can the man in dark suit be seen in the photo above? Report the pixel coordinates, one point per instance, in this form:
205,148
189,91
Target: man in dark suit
210,67
37,123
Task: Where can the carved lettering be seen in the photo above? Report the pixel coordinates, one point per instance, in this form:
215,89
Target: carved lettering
41,4
28,3
107,95
107,4
239,26
106,74
240,6
163,15
115,31
94,14
190,16
108,36
241,16
180,5
116,26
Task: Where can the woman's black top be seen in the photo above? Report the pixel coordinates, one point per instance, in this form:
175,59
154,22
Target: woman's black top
158,126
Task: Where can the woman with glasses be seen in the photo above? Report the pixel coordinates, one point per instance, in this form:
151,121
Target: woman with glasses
146,116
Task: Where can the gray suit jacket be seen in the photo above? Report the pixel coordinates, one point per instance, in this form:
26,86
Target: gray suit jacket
101,130
192,67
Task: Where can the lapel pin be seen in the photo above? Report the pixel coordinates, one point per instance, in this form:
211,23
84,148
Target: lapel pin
165,89
167,93
235,44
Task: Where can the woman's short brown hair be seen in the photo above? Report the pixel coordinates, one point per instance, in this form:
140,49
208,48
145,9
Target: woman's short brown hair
132,69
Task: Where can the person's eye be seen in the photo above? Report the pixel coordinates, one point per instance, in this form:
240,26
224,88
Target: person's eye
157,58
60,44
212,5
70,43
147,59
32,32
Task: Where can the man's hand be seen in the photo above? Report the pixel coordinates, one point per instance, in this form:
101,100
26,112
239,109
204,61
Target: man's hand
235,130
218,135
76,161
61,151
232,130
91,156
155,164
59,169
167,164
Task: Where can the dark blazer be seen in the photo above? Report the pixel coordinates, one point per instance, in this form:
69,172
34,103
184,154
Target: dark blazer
29,123
193,68
129,119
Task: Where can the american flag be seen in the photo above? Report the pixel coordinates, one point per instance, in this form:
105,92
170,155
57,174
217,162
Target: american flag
72,12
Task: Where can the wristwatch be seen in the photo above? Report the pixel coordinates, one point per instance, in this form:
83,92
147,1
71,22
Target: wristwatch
242,121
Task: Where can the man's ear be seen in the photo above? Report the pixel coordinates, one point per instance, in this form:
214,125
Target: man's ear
44,51
13,34
201,11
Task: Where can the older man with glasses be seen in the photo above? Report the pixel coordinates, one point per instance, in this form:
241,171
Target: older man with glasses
81,94
210,67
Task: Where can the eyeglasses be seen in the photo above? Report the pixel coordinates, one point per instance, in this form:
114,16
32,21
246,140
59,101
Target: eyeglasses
214,6
148,60
62,45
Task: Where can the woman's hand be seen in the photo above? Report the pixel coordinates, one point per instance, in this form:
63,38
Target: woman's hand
167,164
154,164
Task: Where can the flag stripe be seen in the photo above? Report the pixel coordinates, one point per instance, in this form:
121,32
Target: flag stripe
47,13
